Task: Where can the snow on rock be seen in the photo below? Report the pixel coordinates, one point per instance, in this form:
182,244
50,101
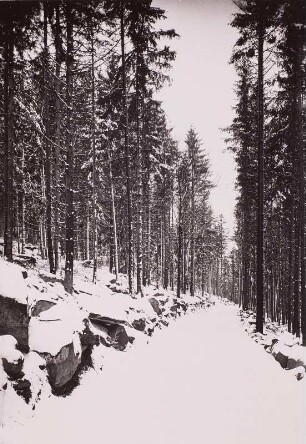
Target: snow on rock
58,329
62,366
14,319
40,306
298,372
289,357
280,353
35,371
167,392
297,357
12,282
54,328
24,260
277,341
62,326
56,335
20,375
12,359
139,323
155,305
49,277
119,337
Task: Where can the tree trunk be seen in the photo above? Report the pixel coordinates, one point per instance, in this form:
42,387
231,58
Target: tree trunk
68,281
127,155
57,138
8,135
87,234
260,172
42,227
22,204
148,278
172,252
179,252
301,155
192,252
139,192
114,218
93,143
296,276
46,120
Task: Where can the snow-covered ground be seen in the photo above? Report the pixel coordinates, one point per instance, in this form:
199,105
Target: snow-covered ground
202,380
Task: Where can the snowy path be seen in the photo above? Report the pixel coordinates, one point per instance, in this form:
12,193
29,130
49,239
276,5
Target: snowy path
202,380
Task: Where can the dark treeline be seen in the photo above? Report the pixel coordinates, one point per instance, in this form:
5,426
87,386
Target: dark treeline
268,141
91,171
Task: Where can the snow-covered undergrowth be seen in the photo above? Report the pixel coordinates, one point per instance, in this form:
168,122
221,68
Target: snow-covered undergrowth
277,341
56,330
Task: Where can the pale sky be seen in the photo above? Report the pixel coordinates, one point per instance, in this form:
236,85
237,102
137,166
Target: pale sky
201,93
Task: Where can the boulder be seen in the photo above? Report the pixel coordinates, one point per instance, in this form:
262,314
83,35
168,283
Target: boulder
24,260
50,277
88,337
155,305
295,362
12,359
23,388
101,332
281,358
298,372
118,336
150,331
174,309
14,320
131,339
57,335
62,366
181,304
105,320
297,357
13,369
40,306
139,324
281,353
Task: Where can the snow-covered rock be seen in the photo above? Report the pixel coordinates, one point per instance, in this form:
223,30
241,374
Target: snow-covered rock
277,341
139,324
281,354
12,359
297,357
14,319
118,336
298,372
12,282
40,306
49,277
155,305
62,366
56,335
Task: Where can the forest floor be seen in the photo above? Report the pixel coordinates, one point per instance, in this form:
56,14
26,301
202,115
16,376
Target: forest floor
202,380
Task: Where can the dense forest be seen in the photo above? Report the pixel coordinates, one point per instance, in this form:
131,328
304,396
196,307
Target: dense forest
267,138
91,171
